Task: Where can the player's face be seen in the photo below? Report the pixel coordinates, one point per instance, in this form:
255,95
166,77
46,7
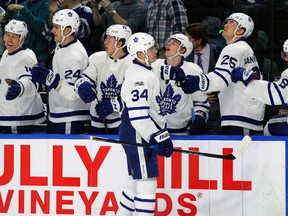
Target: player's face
109,44
229,29
172,46
56,30
195,42
12,41
152,54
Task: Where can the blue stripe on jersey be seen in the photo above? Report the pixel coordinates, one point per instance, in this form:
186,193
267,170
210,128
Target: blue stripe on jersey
109,121
25,75
146,211
222,77
139,118
241,118
68,114
22,118
138,108
128,198
126,207
144,200
279,93
270,94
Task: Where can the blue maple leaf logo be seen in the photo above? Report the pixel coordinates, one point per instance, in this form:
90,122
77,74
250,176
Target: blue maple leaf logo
170,100
110,88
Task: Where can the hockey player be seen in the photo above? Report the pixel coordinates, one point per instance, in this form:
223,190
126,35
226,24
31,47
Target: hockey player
106,72
179,108
271,93
21,106
142,122
241,114
67,112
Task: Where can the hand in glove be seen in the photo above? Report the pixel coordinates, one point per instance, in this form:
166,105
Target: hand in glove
172,73
15,89
163,142
244,75
45,76
199,123
108,106
85,89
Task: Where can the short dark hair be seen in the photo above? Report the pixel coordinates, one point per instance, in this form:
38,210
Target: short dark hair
198,31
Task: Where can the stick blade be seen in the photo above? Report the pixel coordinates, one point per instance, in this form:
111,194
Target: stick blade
243,145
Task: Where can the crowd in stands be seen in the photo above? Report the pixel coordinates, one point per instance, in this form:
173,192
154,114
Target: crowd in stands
80,86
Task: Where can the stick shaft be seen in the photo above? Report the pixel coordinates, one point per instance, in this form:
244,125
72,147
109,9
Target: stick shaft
144,145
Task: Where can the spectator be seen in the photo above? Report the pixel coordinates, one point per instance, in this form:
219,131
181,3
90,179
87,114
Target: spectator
36,14
106,72
20,104
125,12
67,112
141,123
271,93
241,114
205,55
2,14
165,17
184,113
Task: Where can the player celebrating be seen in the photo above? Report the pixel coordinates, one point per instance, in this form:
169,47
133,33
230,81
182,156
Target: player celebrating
241,114
271,93
142,122
106,71
179,108
20,104
68,113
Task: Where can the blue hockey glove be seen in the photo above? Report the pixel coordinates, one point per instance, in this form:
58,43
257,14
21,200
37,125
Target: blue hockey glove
163,142
45,76
85,89
172,73
199,123
108,106
241,74
195,83
16,89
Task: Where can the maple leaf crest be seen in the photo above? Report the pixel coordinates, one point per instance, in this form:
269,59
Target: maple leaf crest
170,101
110,88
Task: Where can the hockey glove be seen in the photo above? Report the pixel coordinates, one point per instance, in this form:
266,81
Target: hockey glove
164,144
172,73
108,106
85,89
16,89
199,123
241,74
45,76
195,83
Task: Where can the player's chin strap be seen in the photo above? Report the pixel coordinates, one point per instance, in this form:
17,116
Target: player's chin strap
116,49
176,54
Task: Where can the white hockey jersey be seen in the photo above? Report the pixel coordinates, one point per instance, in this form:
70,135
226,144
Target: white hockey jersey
271,93
27,109
142,96
107,75
237,108
64,104
178,107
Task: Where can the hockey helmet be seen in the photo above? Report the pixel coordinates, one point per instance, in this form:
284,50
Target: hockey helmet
119,32
244,21
17,27
185,42
65,18
140,42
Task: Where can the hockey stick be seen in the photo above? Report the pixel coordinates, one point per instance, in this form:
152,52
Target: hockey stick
242,146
